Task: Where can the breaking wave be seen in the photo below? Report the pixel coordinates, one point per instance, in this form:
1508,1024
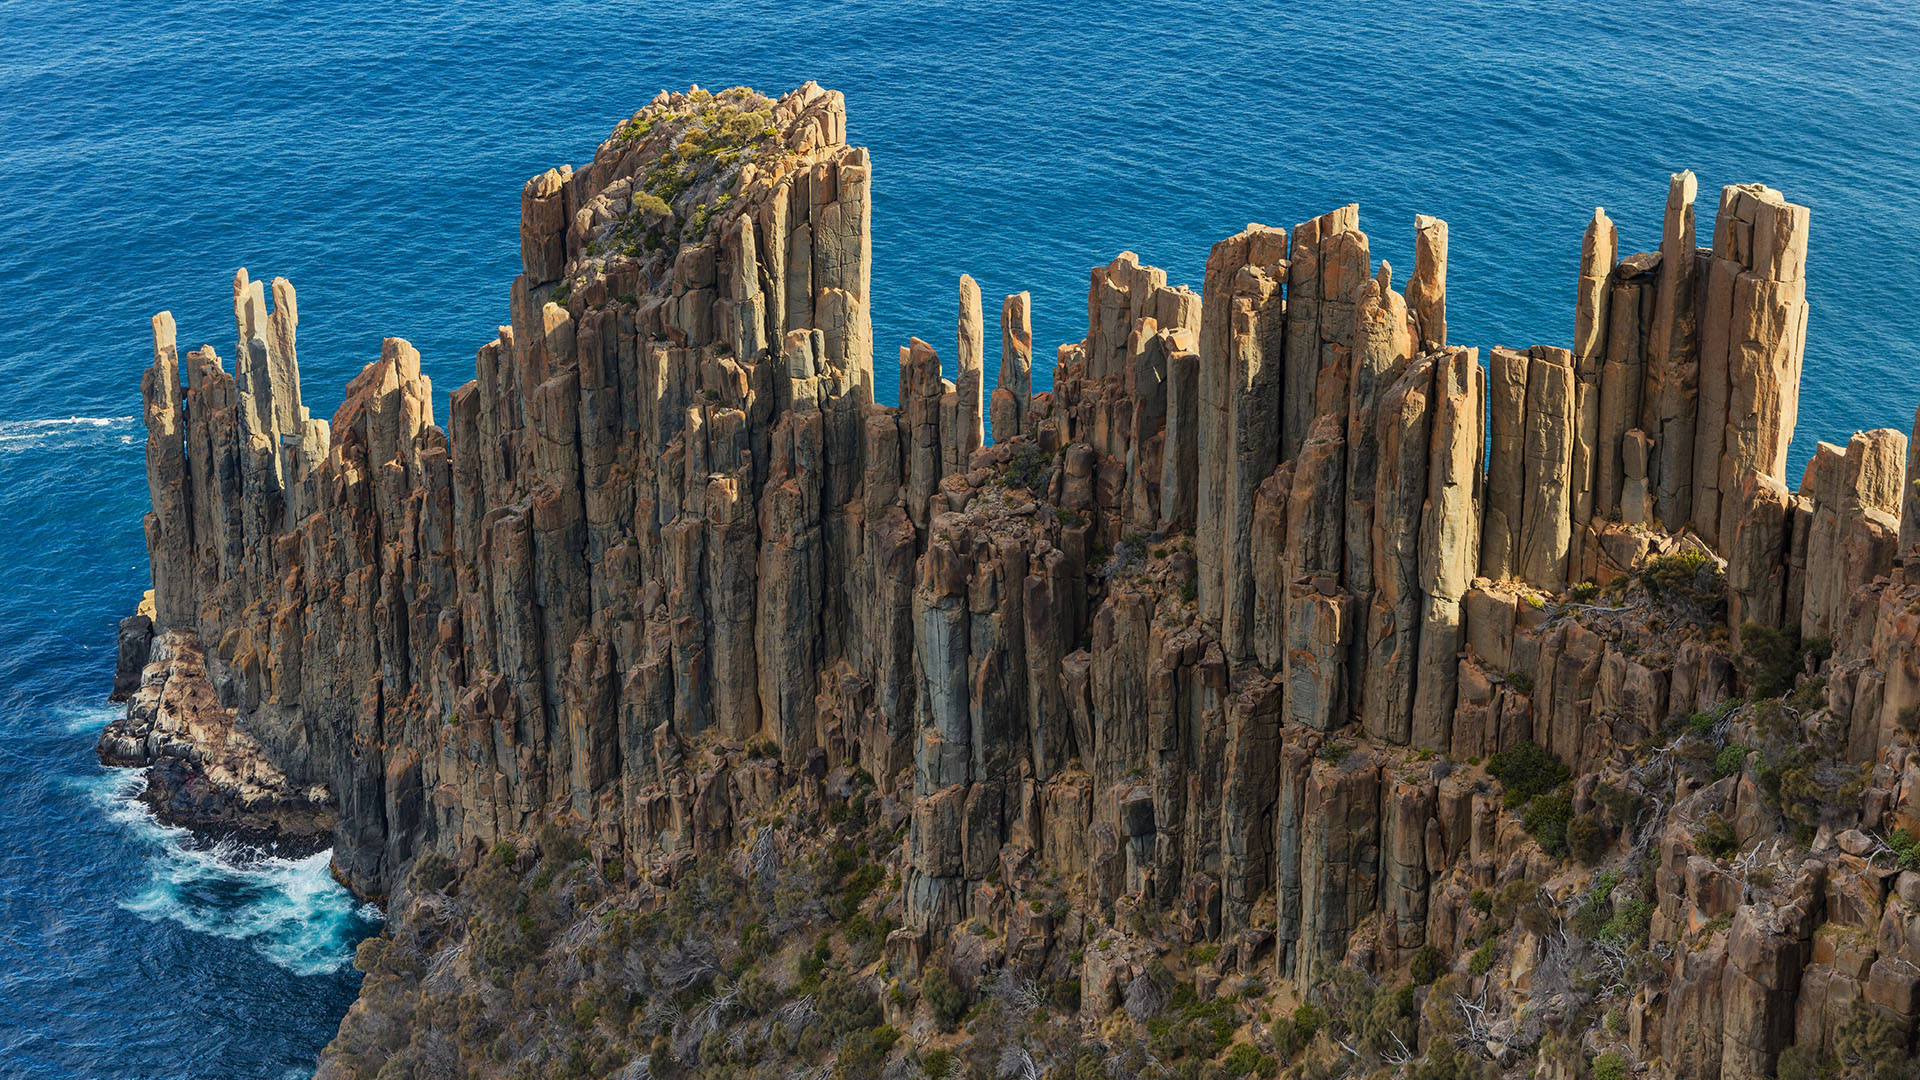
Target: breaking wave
289,910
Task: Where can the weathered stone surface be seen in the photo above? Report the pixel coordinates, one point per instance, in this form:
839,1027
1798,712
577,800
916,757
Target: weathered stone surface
1449,530
1673,361
1910,495
1545,526
1629,311
1013,390
1854,530
1766,338
970,434
1427,288
1506,462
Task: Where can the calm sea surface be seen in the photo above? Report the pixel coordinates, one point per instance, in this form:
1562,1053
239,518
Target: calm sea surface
374,153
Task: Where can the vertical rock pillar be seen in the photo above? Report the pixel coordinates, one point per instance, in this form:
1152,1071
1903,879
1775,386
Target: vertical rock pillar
169,525
1765,339
1673,362
1013,390
1598,250
1449,540
972,374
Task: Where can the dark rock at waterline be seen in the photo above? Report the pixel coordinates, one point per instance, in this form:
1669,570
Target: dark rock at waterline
135,646
204,770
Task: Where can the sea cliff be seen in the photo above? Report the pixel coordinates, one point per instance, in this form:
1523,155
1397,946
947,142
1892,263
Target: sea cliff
1285,678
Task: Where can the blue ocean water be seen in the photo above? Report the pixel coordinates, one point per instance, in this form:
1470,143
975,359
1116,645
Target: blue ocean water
374,152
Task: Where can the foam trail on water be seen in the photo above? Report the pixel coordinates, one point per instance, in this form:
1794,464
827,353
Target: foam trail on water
58,431
81,719
289,910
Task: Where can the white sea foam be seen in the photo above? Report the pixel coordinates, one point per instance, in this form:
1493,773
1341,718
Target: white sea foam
79,719
33,434
289,910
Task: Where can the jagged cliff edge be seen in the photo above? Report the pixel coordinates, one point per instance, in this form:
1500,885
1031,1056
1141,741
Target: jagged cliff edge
1195,633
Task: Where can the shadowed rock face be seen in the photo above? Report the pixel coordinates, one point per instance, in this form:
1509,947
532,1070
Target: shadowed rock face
1188,634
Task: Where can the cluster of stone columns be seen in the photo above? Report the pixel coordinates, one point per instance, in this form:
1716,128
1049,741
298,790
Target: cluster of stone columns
251,445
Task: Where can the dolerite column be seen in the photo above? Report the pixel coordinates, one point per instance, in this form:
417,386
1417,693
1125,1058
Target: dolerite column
1766,339
1546,516
920,392
1399,497
267,374
1636,495
1318,613
1910,505
1720,271
1013,391
213,471
1180,458
1220,379
841,218
970,349
1757,554
1301,367
1673,362
1855,527
543,226
1621,375
1598,250
1345,266
1427,288
1257,329
1383,343
1506,464
791,582
1321,276
169,525
1449,540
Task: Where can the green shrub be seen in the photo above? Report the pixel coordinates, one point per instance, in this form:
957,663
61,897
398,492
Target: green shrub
1029,467
1609,1066
1246,1060
1427,966
432,872
1547,817
1629,923
1308,1021
1731,759
505,854
1689,583
1481,901
1769,659
944,998
1801,1062
1907,847
1715,837
1444,1062
1526,770
1587,838
1869,1046
935,1063
1622,806
1483,957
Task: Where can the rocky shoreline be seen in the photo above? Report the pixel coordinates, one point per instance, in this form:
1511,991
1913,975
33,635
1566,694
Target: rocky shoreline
204,771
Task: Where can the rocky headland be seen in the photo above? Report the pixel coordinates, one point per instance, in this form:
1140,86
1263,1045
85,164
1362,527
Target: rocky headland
1289,690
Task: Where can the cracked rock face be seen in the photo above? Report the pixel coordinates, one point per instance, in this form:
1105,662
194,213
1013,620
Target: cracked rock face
1204,631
